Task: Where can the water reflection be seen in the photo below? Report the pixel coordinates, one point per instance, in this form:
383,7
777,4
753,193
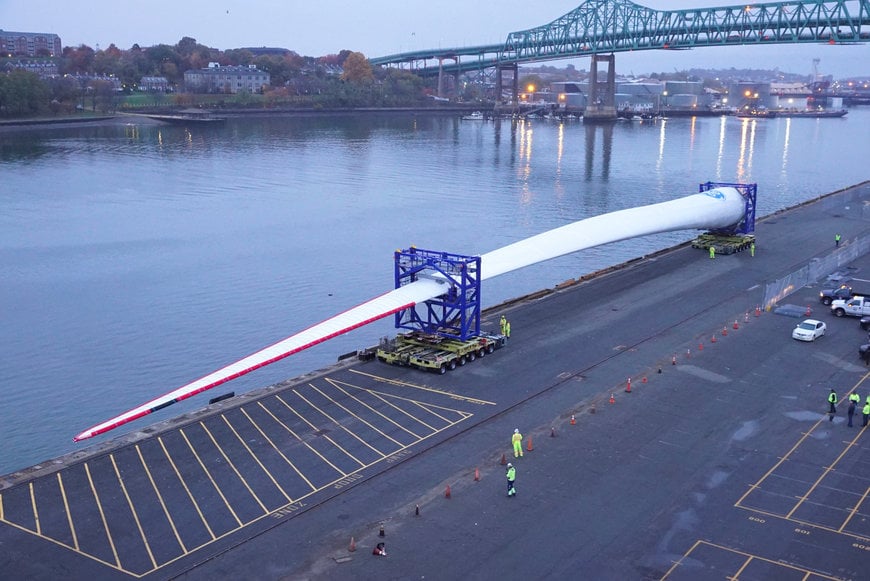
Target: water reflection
721,153
785,146
606,130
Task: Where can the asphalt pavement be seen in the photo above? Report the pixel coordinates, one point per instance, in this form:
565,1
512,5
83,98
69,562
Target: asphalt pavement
699,447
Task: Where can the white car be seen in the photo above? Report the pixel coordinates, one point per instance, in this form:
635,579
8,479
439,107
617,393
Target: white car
809,330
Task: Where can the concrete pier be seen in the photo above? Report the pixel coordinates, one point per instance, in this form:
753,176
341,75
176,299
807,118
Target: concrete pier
720,461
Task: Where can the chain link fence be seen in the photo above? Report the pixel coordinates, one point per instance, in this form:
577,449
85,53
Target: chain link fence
776,291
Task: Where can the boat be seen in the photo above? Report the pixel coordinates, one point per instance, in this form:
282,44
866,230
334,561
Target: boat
474,116
190,116
815,113
756,113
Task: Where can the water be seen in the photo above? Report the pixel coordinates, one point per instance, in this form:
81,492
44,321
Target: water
136,258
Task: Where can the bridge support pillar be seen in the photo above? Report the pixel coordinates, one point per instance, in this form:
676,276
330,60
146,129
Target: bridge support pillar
601,105
441,78
515,82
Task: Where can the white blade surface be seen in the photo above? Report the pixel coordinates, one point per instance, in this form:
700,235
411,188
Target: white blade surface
717,208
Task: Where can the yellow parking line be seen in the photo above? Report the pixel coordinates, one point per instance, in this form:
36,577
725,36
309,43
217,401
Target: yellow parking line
103,516
254,456
854,510
160,498
324,436
420,387
352,434
741,569
303,442
373,410
823,475
186,489
207,473
383,399
35,512
133,510
425,405
430,412
680,560
777,465
233,466
72,527
292,465
368,424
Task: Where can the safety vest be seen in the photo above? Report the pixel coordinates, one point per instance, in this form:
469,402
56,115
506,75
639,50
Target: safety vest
517,438
855,397
832,398
512,472
867,408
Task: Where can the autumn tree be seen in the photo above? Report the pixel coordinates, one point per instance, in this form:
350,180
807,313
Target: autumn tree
357,69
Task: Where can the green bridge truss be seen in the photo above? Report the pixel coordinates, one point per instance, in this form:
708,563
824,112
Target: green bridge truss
610,26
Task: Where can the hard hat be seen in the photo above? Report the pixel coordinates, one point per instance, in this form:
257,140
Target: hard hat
516,430
510,465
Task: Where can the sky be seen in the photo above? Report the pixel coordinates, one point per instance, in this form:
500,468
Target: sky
383,27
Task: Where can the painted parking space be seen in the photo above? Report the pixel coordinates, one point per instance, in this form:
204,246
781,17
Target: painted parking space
815,496
821,481
721,562
146,505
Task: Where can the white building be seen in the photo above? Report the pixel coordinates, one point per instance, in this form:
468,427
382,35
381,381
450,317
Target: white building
228,79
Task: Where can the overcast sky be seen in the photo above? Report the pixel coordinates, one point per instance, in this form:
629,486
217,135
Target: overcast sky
381,27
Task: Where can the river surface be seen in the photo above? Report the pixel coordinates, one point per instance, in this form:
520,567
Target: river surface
137,257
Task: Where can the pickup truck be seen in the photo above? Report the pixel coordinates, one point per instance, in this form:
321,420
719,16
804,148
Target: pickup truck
829,295
856,307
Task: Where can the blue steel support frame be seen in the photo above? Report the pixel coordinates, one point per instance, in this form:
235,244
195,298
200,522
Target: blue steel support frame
456,313
749,193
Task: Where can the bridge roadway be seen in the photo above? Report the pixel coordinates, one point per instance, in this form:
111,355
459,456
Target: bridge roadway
722,465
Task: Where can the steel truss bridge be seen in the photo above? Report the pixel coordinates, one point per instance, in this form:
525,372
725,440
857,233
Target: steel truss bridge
611,26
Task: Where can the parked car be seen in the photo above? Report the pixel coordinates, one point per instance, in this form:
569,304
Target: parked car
809,330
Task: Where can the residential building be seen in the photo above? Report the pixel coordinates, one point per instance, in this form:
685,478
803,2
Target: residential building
226,79
42,44
154,85
43,68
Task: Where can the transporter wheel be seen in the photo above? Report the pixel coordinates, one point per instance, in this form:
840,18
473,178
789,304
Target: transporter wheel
472,356
462,361
443,369
481,352
452,364
490,348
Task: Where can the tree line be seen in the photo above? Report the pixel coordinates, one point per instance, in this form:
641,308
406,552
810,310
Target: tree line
295,80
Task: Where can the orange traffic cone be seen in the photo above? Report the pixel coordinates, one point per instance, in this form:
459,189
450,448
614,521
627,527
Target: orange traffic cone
503,460
674,360
352,547
476,475
735,324
757,311
628,386
573,421
713,340
809,311
700,346
530,447
552,432
447,492
724,331
643,380
612,399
